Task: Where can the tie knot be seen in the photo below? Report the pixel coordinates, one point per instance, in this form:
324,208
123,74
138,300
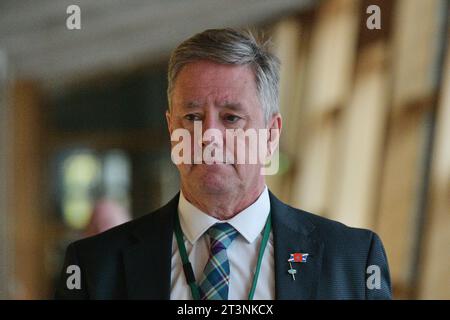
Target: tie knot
221,234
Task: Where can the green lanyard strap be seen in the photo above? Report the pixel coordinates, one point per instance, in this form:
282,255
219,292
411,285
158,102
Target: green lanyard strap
187,266
262,249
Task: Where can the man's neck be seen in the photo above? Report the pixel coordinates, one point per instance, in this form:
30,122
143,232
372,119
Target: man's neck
223,206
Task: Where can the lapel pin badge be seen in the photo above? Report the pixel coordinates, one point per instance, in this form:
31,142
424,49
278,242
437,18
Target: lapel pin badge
292,271
296,257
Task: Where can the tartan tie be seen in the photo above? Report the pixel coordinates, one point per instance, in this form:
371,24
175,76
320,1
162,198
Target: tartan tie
216,275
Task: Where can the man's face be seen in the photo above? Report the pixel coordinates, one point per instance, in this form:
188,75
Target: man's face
219,97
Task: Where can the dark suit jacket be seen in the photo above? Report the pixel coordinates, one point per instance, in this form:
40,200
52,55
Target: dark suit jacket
133,260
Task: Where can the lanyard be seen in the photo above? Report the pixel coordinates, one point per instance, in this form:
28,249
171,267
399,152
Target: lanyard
187,266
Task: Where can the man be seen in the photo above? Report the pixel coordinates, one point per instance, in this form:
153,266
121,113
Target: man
225,235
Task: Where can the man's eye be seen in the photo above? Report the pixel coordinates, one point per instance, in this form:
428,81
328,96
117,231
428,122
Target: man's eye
192,117
232,118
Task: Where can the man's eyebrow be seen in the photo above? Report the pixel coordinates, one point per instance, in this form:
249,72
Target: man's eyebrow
227,104
191,104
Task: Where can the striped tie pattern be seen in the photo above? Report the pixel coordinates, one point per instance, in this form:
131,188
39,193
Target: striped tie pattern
215,281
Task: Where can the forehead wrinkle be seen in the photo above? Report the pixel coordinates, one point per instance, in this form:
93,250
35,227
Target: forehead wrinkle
230,105
216,97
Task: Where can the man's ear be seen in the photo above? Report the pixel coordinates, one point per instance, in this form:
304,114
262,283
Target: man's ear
169,121
274,127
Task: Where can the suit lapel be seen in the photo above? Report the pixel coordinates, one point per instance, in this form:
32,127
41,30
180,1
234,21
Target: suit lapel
293,232
147,262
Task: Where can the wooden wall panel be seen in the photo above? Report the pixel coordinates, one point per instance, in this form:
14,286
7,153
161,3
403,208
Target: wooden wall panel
29,273
400,194
313,175
435,261
415,48
290,38
332,54
290,46
358,161
329,72
414,72
5,181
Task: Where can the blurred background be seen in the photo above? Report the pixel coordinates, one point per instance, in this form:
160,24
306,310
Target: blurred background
84,144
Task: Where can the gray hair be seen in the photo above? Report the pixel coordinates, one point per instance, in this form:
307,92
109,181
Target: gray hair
236,47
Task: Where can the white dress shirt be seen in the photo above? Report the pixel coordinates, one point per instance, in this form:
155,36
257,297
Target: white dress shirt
242,253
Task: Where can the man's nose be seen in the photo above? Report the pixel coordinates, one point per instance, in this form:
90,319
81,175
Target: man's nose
211,121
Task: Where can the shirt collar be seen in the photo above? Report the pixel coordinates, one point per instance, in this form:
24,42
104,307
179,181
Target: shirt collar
249,222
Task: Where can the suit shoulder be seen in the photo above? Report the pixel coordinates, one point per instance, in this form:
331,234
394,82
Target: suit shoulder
332,231
112,239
